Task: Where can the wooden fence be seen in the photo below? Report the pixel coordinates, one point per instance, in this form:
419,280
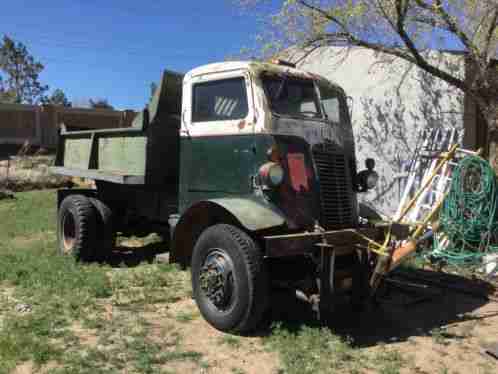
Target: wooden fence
38,125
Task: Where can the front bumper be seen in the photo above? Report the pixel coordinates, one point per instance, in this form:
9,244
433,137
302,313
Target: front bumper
300,243
340,240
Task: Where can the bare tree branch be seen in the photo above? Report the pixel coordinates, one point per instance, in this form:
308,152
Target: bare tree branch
489,35
413,56
438,8
398,29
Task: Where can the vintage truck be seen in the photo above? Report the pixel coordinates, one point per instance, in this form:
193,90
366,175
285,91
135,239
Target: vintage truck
249,170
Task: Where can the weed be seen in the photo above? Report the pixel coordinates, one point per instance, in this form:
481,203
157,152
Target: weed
388,361
230,340
180,356
442,336
148,284
186,316
313,350
444,370
317,350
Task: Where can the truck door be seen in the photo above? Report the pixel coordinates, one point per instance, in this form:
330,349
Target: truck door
216,157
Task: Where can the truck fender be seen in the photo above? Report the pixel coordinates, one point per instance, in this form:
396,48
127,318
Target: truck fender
248,213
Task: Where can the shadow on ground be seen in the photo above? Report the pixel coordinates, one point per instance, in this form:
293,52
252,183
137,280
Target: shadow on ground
401,313
134,256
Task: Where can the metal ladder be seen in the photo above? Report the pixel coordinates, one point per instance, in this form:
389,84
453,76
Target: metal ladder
434,142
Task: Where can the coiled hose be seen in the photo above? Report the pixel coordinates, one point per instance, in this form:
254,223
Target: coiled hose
468,224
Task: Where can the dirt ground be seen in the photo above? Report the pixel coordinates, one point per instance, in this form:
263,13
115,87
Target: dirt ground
225,353
437,330
446,333
434,330
147,318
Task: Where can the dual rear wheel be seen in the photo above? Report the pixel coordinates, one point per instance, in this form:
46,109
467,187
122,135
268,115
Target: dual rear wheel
229,277
84,228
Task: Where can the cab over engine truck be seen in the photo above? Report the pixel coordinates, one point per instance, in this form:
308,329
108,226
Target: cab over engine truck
249,170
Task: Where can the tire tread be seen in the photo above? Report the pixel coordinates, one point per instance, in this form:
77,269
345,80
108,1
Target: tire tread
86,225
250,255
254,259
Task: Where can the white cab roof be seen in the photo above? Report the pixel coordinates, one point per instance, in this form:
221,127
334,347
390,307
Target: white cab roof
255,67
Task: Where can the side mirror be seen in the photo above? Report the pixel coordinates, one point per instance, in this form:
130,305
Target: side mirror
370,163
367,179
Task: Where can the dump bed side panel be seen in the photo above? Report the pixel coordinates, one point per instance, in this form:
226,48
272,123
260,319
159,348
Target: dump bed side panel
77,152
122,154
119,153
147,152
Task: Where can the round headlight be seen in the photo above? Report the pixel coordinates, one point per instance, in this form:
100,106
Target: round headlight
276,175
372,179
272,174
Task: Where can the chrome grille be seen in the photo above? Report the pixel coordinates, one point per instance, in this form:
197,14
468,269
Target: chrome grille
335,190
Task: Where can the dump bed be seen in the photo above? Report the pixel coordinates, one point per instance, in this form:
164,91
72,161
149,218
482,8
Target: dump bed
145,154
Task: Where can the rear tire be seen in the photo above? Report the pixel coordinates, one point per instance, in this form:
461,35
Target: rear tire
76,228
105,233
229,279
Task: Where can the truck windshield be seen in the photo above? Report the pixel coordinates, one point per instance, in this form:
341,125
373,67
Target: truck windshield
291,96
333,103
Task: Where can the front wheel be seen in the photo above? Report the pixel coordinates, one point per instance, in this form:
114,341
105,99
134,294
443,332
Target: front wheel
229,279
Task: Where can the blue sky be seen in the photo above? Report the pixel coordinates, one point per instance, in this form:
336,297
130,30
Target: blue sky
115,49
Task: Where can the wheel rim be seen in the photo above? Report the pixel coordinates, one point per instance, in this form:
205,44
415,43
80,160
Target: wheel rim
216,279
68,232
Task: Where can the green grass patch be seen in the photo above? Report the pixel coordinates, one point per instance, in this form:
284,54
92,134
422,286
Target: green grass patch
56,289
29,213
60,292
231,340
317,350
148,284
186,316
87,318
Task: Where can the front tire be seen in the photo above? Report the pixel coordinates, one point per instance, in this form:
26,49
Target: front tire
229,279
76,227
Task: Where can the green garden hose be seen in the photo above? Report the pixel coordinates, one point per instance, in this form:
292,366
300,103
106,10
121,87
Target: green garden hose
468,224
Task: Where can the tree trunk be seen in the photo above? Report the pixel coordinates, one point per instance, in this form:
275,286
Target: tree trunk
490,116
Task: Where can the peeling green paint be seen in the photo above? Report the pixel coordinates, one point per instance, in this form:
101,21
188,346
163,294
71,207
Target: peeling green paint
122,154
77,152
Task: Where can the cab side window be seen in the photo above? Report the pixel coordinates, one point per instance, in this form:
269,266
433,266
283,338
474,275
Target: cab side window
221,100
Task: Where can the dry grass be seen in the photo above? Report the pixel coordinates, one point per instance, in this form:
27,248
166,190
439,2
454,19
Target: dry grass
29,172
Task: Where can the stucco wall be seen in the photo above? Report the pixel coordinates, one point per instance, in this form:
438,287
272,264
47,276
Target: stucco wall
393,102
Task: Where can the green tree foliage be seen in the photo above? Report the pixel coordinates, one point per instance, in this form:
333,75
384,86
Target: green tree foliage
6,95
19,74
399,29
58,97
100,103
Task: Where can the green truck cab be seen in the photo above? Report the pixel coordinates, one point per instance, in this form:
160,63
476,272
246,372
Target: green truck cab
248,169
